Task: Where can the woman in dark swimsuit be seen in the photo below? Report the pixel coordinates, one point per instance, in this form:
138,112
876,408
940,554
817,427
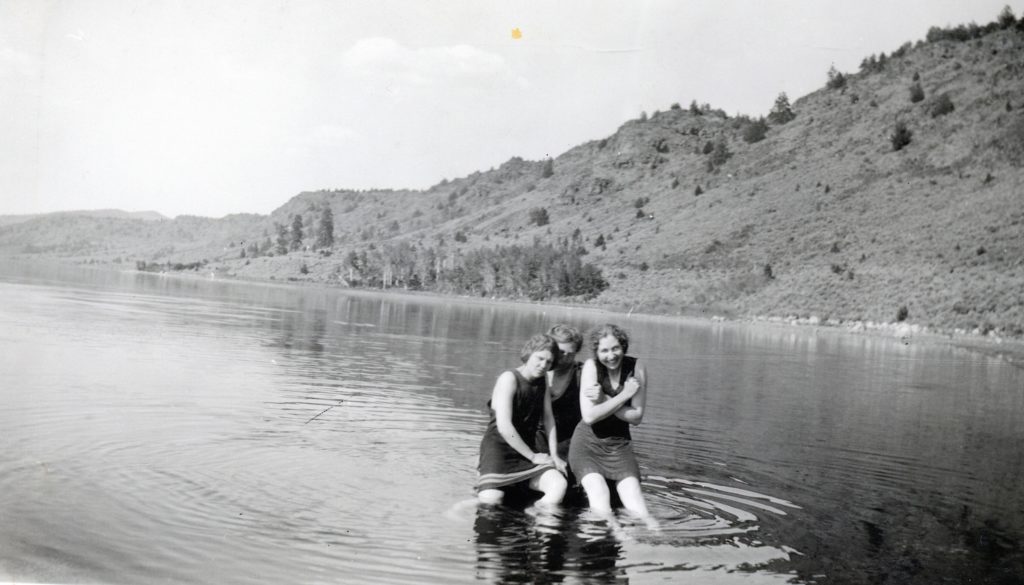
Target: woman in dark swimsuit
520,404
613,393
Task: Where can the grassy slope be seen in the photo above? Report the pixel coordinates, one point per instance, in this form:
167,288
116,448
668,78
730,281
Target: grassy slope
850,228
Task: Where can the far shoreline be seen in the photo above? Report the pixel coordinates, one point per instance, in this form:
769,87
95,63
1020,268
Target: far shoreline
1007,349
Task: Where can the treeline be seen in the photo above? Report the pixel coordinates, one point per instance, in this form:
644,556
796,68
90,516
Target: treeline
536,272
143,266
961,33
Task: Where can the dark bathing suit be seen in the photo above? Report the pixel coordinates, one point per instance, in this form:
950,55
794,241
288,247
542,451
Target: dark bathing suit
605,447
500,465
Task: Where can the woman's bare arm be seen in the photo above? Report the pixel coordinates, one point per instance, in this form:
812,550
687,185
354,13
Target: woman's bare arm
633,413
596,408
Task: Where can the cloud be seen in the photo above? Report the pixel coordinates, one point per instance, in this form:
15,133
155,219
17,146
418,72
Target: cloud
389,61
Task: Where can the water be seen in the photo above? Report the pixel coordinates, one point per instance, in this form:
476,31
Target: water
162,430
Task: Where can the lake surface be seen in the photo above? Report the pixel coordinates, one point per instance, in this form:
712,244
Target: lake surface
164,430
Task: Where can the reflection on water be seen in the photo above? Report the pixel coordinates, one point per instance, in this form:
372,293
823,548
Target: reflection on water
180,430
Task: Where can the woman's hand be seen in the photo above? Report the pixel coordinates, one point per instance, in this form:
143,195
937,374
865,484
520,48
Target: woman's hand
630,388
560,465
541,459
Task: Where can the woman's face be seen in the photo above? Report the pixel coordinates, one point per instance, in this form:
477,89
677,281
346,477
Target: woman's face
568,357
538,364
609,352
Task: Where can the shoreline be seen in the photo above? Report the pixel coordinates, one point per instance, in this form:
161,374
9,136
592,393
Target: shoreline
1007,349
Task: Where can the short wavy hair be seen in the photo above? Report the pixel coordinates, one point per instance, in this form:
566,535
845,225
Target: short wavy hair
563,333
595,335
539,342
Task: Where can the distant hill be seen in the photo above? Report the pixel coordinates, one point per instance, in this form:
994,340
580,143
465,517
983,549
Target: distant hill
143,215
894,193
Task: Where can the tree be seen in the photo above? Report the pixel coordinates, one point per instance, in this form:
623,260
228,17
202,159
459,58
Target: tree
942,106
548,169
325,231
296,234
781,112
539,216
282,238
836,80
1006,18
900,136
916,93
720,154
755,131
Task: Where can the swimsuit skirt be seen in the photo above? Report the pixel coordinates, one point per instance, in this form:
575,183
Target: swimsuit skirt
605,447
500,465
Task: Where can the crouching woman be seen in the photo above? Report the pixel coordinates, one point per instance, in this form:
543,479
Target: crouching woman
520,404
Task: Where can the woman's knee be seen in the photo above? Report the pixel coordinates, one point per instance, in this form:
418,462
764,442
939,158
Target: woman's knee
552,483
597,491
490,497
631,495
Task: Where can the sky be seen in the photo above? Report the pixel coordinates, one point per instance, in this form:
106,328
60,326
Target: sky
206,107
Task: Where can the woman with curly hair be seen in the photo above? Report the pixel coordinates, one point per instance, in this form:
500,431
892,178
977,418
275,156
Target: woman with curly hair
613,393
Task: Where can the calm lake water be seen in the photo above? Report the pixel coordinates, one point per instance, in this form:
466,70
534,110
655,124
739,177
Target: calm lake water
164,430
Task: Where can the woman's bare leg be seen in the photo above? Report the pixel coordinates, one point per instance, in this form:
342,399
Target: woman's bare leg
553,484
633,500
597,493
490,497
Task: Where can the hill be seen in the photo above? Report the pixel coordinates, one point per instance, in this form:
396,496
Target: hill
143,215
895,193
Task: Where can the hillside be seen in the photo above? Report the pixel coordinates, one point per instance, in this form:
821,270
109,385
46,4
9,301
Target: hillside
144,215
823,217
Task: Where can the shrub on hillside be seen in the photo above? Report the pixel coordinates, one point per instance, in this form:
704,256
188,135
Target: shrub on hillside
709,147
900,136
902,313
698,191
902,50
755,131
1010,142
836,80
675,106
916,93
942,106
640,214
872,64
548,169
720,154
1006,19
539,216
781,112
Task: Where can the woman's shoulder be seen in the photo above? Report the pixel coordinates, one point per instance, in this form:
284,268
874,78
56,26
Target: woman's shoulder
509,377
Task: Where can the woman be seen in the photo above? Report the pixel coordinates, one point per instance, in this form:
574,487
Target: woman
613,392
564,387
519,403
